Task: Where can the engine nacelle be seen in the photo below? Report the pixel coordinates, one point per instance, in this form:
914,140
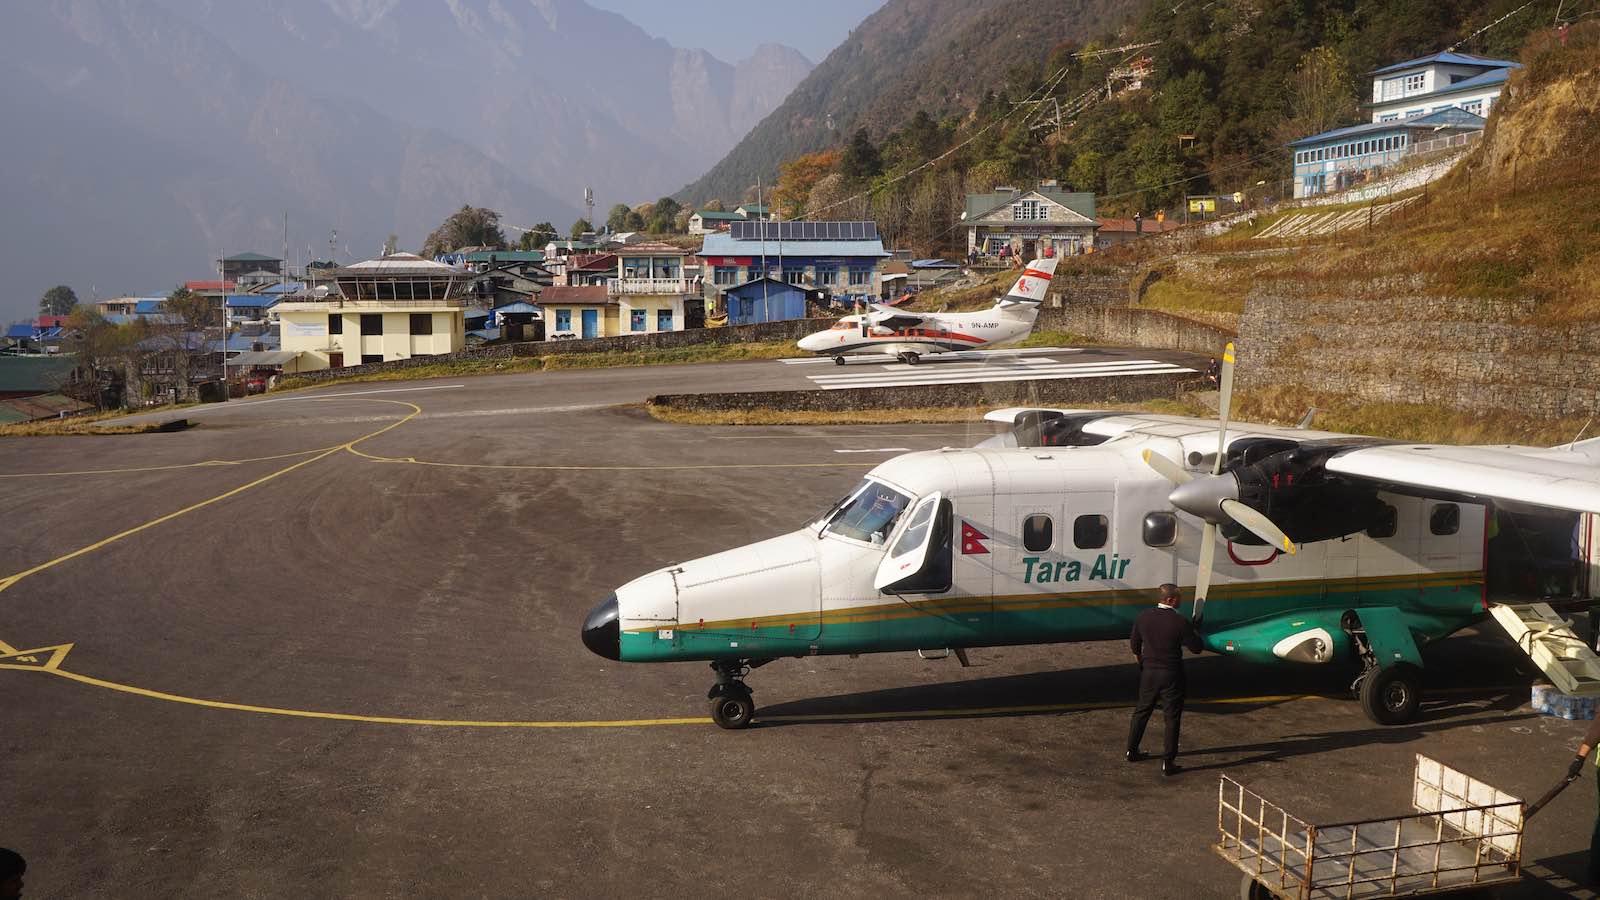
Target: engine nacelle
1314,638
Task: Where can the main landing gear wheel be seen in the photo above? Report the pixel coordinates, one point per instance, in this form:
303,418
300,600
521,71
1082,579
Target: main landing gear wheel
733,710
731,704
910,359
838,360
1391,695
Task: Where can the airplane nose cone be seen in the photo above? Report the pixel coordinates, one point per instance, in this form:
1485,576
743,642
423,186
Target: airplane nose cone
602,633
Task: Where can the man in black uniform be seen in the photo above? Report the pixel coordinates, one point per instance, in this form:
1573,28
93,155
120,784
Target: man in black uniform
1159,636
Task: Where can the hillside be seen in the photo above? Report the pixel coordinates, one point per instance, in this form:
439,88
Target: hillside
1482,297
1222,86
939,56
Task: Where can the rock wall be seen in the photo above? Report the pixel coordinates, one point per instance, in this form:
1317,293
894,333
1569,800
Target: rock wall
1390,342
1072,392
1128,326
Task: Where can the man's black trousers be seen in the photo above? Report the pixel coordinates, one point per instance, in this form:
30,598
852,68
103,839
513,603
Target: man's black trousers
1167,687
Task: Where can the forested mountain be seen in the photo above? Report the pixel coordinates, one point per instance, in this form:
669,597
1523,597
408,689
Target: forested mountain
938,56
1223,85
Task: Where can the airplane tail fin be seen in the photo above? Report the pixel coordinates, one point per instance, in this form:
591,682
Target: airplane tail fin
1034,283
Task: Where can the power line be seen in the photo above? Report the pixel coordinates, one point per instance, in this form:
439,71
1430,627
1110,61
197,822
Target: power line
1508,15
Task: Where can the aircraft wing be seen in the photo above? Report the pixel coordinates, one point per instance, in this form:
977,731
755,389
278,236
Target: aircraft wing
888,317
1564,478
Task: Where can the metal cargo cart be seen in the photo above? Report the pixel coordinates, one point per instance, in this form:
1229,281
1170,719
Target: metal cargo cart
1464,834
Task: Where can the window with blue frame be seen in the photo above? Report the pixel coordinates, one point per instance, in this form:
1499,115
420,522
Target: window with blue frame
860,277
636,320
663,320
725,275
827,277
563,320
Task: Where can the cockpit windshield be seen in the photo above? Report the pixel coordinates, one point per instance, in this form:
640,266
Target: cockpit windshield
868,513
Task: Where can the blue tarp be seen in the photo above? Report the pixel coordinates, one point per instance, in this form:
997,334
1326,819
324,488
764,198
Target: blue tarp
149,307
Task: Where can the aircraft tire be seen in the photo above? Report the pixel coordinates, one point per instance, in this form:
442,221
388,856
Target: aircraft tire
1391,695
912,359
733,710
1251,889
838,360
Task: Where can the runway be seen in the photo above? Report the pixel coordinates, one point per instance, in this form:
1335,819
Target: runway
326,644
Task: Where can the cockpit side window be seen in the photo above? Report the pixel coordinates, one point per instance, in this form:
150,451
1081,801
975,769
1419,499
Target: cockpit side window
870,513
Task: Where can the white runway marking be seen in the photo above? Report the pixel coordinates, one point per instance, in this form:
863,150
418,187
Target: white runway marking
868,358
901,375
878,450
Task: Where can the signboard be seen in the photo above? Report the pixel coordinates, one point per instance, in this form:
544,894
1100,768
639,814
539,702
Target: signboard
292,328
1202,204
729,260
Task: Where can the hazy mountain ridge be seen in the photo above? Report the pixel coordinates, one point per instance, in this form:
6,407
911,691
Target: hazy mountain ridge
162,132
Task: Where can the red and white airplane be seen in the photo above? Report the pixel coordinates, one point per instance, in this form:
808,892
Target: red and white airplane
909,335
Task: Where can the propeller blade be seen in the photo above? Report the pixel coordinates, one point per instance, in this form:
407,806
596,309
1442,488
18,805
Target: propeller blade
1259,525
1224,401
1202,575
1169,470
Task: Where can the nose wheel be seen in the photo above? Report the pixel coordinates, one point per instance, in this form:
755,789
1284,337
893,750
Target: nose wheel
732,707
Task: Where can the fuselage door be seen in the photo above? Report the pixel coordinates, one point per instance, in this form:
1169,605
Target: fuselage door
919,560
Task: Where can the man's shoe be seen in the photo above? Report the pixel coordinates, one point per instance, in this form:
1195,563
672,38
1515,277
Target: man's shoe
1170,768
1136,756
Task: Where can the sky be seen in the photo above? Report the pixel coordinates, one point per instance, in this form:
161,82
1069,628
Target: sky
728,28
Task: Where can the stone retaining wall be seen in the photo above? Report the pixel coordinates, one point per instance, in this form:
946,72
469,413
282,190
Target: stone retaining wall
1073,392
1127,326
1388,342
791,330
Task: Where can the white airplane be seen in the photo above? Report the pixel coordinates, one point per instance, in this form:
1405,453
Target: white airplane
909,335
1335,549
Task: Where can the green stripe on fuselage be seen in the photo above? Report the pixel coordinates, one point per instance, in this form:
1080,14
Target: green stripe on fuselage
1441,602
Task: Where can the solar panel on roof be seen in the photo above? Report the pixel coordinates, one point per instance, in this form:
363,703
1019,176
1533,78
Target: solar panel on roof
804,231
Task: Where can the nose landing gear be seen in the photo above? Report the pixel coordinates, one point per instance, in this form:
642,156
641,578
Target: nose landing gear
731,704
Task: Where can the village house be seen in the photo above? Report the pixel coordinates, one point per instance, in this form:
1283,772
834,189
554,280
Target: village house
1027,223
256,265
1441,81
391,308
844,259
578,311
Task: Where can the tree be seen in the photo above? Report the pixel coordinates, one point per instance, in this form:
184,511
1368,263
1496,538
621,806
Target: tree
469,226
797,178
579,227
1321,97
535,238
58,301
105,354
663,215
194,312
861,159
713,206
617,219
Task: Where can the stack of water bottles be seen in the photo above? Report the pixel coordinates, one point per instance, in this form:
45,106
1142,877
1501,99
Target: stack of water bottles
1551,702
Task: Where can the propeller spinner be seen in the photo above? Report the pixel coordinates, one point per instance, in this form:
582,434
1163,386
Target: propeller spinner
1214,498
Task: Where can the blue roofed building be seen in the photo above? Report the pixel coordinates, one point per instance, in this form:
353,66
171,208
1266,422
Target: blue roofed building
1441,81
767,300
1346,157
1421,105
843,259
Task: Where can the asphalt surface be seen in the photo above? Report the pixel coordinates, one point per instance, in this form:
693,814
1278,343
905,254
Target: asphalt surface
415,559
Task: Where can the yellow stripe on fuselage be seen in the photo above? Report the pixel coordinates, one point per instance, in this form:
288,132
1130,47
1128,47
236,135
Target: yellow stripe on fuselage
1113,597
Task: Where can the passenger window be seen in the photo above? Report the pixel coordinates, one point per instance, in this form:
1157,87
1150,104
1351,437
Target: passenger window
1445,519
1089,532
1038,533
1386,523
1160,529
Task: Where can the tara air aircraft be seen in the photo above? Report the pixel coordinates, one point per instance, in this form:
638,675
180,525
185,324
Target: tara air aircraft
1296,547
909,335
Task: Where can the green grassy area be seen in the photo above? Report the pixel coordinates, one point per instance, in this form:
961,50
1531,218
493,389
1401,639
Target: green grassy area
1050,338
89,423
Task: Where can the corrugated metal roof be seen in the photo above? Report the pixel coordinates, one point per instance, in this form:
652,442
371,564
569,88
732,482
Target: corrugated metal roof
250,300
724,245
519,306
148,307
39,374
264,357
577,295
718,216
1444,118
23,330
250,257
1080,202
1447,57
